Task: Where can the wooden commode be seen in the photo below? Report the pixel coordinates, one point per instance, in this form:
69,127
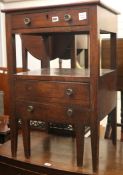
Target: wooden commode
81,97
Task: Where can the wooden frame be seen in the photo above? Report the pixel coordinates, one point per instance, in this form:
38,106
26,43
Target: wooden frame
98,96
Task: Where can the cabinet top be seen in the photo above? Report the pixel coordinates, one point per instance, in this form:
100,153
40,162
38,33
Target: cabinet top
68,4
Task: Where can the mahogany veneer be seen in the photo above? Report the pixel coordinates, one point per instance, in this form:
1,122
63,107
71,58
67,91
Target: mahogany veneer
79,97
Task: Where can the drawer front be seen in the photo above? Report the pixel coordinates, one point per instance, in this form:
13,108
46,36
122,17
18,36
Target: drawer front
47,19
53,92
49,112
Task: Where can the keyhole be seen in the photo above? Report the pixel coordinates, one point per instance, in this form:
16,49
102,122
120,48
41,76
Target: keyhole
47,16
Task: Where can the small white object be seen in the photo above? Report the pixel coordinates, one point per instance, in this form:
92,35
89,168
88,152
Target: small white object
82,16
47,164
55,18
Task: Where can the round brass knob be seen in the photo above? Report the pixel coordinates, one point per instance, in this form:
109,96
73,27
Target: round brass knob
30,108
67,17
70,112
69,91
27,21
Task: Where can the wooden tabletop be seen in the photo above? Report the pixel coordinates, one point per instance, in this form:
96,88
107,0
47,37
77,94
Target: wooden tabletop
57,152
60,74
102,3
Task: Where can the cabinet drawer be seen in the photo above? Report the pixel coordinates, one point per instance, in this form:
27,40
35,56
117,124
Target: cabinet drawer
53,92
66,17
49,112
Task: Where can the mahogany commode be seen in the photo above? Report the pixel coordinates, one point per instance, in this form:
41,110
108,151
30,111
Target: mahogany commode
81,97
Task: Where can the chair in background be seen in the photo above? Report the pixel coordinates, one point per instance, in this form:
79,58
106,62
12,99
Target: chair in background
105,63
4,115
4,86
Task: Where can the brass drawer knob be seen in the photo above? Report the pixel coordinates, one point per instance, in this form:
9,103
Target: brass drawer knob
27,21
67,17
70,112
69,91
30,108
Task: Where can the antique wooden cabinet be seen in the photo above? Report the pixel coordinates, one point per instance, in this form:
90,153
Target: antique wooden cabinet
81,97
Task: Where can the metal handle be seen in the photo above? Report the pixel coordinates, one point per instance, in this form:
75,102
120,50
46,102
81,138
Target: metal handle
69,91
70,112
30,108
67,17
27,21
